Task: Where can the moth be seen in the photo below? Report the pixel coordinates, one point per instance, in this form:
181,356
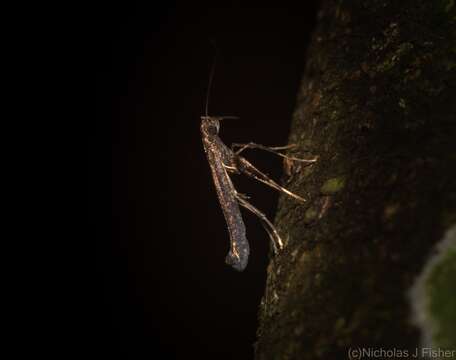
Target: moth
225,161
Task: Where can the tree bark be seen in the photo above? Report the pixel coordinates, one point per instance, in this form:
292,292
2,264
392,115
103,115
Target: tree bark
377,106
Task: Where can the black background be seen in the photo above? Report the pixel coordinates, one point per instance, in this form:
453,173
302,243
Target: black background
161,284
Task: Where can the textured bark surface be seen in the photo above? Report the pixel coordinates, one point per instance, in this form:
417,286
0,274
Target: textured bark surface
377,105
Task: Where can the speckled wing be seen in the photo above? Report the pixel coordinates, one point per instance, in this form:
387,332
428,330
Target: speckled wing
219,156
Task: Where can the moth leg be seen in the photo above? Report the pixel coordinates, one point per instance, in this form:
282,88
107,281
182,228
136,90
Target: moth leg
271,149
232,169
270,229
252,145
248,169
243,196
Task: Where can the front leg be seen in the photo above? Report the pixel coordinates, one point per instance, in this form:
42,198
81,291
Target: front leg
272,149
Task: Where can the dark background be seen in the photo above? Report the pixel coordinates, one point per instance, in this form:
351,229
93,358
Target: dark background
161,284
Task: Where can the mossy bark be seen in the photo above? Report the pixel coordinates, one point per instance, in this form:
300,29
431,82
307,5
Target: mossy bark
377,106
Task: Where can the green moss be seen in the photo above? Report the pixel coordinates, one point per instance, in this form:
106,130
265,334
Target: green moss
310,215
444,12
441,285
332,186
390,211
340,324
393,58
386,65
449,65
448,4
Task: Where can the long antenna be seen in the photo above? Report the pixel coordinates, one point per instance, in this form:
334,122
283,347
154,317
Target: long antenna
211,76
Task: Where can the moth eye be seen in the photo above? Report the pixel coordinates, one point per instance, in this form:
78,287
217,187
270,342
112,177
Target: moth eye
212,130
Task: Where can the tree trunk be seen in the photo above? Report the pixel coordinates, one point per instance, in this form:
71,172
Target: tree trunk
377,106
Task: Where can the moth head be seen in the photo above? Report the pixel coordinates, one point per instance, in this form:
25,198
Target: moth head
210,125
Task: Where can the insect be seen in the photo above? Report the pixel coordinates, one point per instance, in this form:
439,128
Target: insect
224,161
